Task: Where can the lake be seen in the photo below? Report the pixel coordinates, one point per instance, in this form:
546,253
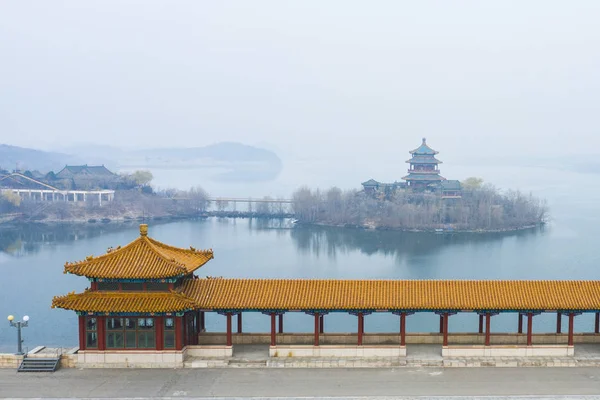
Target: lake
32,257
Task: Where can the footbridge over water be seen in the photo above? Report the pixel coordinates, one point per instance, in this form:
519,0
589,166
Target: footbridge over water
250,207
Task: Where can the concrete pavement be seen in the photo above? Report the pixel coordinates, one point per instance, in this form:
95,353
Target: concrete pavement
246,382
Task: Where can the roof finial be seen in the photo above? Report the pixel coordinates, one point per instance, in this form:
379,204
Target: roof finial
424,139
143,229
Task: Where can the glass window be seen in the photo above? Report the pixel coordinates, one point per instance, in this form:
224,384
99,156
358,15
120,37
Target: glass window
146,339
91,323
130,323
130,339
114,323
145,323
114,340
169,333
130,333
91,340
91,334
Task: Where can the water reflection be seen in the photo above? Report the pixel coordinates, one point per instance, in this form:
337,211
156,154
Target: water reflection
331,241
26,239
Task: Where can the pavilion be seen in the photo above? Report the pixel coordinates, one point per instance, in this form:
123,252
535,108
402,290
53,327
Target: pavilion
145,307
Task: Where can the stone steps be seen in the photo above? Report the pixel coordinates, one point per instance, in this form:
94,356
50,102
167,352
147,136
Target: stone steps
39,365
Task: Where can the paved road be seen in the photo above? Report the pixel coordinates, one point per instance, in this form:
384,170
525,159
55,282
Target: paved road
139,383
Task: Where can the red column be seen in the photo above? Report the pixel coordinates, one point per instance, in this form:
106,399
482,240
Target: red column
239,322
597,326
159,327
441,323
281,323
363,324
529,328
321,323
558,322
360,328
520,323
229,339
82,322
186,329
488,318
273,343
178,333
101,321
571,318
202,322
316,329
403,329
480,323
445,343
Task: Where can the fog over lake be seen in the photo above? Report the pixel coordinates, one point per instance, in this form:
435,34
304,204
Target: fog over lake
340,91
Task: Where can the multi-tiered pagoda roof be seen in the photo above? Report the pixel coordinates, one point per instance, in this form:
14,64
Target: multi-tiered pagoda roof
423,167
142,259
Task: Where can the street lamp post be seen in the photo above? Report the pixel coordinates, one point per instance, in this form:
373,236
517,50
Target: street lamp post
19,325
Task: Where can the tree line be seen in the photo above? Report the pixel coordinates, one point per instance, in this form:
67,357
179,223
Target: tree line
482,207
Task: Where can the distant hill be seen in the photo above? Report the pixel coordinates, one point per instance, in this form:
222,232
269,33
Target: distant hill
224,162
235,161
13,157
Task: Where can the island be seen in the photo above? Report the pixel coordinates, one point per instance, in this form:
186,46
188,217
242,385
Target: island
426,201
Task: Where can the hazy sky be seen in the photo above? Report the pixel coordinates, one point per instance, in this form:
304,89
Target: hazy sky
310,77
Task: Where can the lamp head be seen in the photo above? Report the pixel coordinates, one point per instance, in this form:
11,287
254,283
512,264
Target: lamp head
10,318
26,318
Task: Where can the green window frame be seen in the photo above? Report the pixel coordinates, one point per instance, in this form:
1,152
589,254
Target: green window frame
130,333
169,333
91,333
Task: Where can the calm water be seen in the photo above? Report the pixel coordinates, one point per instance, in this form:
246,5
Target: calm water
32,259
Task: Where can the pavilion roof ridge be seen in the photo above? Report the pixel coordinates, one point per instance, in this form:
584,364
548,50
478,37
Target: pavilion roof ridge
143,258
192,250
111,251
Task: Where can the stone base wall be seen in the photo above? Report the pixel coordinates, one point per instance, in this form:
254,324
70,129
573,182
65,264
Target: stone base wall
219,338
130,359
209,351
336,351
10,360
508,351
68,361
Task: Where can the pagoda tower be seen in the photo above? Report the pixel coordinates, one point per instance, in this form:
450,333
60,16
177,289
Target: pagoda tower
423,169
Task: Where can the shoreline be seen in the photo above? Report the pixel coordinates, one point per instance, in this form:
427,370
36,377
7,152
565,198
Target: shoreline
167,218
425,230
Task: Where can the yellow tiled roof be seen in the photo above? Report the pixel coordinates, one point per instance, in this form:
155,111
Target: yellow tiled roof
124,302
144,258
301,294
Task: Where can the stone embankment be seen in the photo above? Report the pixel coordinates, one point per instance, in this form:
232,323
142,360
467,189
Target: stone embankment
68,356
252,350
